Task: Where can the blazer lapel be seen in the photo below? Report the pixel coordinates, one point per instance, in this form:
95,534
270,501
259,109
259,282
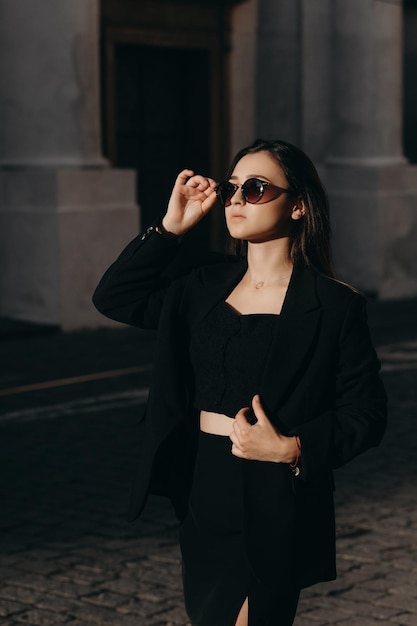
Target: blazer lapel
215,284
293,338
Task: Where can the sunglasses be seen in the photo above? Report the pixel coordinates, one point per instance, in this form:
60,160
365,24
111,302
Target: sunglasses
254,191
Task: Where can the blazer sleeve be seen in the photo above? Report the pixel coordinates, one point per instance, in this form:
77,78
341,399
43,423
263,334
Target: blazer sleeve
358,420
132,290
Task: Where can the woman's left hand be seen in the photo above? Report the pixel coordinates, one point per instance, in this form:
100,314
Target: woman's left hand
261,441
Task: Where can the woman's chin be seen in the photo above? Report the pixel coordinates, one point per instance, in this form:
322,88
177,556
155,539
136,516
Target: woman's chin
237,229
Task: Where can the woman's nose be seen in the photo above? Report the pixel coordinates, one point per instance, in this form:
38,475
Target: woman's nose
237,197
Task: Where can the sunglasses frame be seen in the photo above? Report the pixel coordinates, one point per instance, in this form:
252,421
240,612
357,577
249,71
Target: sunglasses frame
264,188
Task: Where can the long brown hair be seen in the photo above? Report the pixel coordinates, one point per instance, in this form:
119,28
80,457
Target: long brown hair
311,235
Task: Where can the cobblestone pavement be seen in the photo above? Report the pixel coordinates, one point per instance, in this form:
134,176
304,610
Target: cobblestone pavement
66,454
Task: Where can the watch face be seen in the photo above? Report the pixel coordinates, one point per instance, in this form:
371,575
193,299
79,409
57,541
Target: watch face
147,232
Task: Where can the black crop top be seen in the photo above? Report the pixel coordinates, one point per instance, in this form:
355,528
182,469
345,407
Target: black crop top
228,351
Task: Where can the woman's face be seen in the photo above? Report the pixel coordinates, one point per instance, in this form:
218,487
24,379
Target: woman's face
260,222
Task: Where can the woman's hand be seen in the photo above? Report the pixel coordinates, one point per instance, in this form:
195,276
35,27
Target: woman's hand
192,197
261,441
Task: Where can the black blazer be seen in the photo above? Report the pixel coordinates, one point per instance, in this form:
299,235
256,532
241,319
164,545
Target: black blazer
320,382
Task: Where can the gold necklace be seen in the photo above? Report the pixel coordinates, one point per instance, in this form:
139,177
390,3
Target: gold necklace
261,283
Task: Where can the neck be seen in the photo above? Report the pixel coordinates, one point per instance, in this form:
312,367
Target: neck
269,261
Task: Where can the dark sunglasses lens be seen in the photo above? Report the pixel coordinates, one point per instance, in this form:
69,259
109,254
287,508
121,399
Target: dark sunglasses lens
253,190
225,193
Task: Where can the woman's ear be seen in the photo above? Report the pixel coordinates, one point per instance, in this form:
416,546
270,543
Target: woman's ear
298,210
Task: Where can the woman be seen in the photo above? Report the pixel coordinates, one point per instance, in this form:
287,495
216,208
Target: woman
265,380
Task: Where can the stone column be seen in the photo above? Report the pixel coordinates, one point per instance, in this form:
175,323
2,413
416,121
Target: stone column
371,186
242,96
316,54
367,83
50,90
278,70
64,213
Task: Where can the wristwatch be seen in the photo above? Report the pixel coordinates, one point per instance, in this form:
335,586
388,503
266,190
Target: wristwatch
159,230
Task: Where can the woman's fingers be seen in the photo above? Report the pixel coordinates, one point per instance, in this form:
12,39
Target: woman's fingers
258,409
209,201
192,197
189,178
197,180
235,439
195,187
239,434
202,190
183,177
201,183
260,441
241,419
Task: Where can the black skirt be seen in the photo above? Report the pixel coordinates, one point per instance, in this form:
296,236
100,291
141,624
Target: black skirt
216,572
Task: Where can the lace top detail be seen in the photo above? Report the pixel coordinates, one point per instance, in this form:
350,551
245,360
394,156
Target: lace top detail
228,352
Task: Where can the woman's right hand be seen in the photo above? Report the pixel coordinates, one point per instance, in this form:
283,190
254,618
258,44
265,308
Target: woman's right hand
192,198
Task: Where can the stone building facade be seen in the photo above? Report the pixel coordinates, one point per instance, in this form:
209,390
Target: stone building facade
102,101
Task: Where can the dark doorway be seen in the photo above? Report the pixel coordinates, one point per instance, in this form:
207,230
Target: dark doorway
165,100
162,121
410,84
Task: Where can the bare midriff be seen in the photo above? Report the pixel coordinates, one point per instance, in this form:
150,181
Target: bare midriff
216,423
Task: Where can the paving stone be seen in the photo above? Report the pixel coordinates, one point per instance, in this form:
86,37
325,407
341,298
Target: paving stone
68,589
306,620
402,602
31,581
362,594
326,615
176,615
143,607
107,617
140,589
126,586
345,604
39,617
58,604
78,622
38,567
82,577
107,599
9,607
171,577
154,594
407,590
19,594
404,619
360,621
